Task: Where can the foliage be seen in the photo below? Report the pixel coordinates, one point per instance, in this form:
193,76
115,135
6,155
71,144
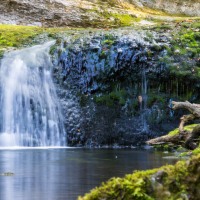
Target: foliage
114,97
155,98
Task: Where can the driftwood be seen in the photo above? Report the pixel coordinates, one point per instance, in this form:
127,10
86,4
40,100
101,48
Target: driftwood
185,138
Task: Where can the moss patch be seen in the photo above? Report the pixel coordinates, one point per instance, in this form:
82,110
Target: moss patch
180,181
187,128
125,19
196,151
113,98
14,36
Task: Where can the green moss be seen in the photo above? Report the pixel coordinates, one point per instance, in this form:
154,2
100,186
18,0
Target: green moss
188,153
188,128
108,42
18,36
196,25
184,51
1,53
155,98
130,187
169,182
196,151
15,36
52,49
124,19
103,54
113,98
109,2
164,147
83,100
162,27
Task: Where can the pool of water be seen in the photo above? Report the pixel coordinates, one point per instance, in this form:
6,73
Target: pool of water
58,174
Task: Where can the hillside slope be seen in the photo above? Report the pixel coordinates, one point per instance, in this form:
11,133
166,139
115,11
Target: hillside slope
96,13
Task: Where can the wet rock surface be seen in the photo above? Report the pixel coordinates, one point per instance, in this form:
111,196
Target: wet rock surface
100,76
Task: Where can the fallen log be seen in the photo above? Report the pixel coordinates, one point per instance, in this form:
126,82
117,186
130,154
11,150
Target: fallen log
188,139
175,139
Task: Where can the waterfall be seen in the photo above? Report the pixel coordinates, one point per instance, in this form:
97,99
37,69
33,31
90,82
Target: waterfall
144,107
30,114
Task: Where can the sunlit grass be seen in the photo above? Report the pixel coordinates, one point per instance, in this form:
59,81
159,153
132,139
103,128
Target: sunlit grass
16,36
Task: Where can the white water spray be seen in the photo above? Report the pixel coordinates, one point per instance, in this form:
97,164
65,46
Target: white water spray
144,107
30,114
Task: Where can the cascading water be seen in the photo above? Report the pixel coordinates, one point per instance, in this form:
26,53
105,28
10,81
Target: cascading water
144,107
29,109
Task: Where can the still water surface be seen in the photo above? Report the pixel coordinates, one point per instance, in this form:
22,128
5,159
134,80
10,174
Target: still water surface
64,174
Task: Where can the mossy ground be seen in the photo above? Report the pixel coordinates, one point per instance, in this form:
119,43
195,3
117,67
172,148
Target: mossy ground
181,181
184,52
15,36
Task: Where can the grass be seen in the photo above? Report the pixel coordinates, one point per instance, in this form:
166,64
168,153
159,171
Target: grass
15,36
125,19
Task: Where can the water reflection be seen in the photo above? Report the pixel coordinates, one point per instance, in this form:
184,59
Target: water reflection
58,174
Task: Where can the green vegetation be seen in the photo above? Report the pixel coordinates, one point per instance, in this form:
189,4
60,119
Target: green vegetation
14,36
125,19
156,98
187,128
113,98
163,27
181,181
185,47
196,151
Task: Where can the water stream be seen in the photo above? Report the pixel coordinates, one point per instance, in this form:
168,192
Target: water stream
144,102
30,114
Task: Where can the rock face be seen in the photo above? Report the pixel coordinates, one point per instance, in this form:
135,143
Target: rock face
115,86
99,77
84,13
52,13
42,12
189,7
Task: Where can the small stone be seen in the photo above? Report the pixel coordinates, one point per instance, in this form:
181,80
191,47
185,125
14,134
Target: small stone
177,51
7,174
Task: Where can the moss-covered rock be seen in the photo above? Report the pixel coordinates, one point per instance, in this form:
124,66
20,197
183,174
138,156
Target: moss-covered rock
181,181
